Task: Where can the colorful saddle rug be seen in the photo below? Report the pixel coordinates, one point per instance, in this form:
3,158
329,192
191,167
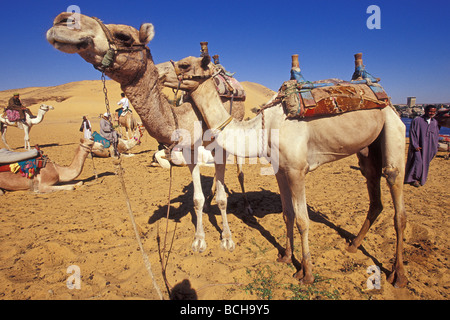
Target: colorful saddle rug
307,99
228,87
12,115
28,168
98,138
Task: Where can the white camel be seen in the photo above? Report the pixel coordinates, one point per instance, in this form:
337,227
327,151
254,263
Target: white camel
25,126
297,147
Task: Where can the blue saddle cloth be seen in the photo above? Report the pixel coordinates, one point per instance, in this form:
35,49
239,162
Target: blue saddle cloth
98,138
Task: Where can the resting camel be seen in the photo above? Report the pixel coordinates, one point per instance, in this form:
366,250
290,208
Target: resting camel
123,146
297,147
122,52
29,122
47,178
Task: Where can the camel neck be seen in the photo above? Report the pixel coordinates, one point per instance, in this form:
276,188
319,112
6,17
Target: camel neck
240,138
72,171
152,106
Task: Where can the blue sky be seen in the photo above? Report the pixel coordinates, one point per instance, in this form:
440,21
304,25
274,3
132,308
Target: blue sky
255,39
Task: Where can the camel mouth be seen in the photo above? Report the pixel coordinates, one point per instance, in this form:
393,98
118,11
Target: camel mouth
68,45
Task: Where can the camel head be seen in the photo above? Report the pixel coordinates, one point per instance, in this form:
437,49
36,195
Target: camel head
186,74
443,117
45,108
87,144
119,50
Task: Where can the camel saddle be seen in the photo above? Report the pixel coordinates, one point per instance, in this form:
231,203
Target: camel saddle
98,138
12,115
27,164
228,87
7,156
330,97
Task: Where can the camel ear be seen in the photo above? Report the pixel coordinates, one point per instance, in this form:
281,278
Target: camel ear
205,62
146,33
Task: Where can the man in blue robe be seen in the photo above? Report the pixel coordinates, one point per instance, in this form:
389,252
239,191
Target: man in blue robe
423,146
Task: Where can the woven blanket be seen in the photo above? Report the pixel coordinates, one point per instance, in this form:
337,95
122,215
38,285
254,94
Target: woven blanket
320,99
28,168
229,87
98,138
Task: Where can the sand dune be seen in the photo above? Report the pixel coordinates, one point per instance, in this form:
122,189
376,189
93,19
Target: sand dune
43,234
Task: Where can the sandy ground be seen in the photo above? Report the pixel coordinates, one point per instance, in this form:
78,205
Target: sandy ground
42,235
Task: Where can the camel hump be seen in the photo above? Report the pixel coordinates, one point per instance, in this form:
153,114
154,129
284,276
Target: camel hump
7,156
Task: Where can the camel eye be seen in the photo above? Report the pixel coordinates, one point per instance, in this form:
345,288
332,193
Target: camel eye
123,37
184,66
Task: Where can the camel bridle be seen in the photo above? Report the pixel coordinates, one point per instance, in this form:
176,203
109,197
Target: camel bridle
115,47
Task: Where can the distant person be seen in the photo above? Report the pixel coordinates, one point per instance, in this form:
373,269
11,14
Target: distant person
107,130
15,104
423,146
86,128
125,103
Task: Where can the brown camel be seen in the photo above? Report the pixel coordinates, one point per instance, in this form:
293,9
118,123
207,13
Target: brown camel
443,117
47,178
122,52
128,123
29,122
296,147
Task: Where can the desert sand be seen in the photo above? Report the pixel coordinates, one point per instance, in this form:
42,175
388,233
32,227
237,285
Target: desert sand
42,235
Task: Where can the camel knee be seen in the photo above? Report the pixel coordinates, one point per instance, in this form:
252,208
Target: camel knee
199,201
391,173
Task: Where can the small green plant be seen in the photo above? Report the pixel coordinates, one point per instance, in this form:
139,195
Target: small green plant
264,284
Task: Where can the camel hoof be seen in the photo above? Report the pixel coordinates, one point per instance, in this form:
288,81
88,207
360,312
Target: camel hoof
352,249
300,276
284,259
199,245
227,244
398,281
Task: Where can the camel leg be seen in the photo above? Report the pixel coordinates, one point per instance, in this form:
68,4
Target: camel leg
3,131
288,216
66,187
26,130
221,199
239,163
296,180
370,164
393,147
199,244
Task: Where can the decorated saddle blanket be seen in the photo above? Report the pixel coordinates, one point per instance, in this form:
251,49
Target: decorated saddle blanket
229,87
12,115
308,99
98,138
28,168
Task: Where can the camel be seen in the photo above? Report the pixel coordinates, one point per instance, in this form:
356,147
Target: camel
123,146
29,122
46,179
128,122
121,52
443,117
296,147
